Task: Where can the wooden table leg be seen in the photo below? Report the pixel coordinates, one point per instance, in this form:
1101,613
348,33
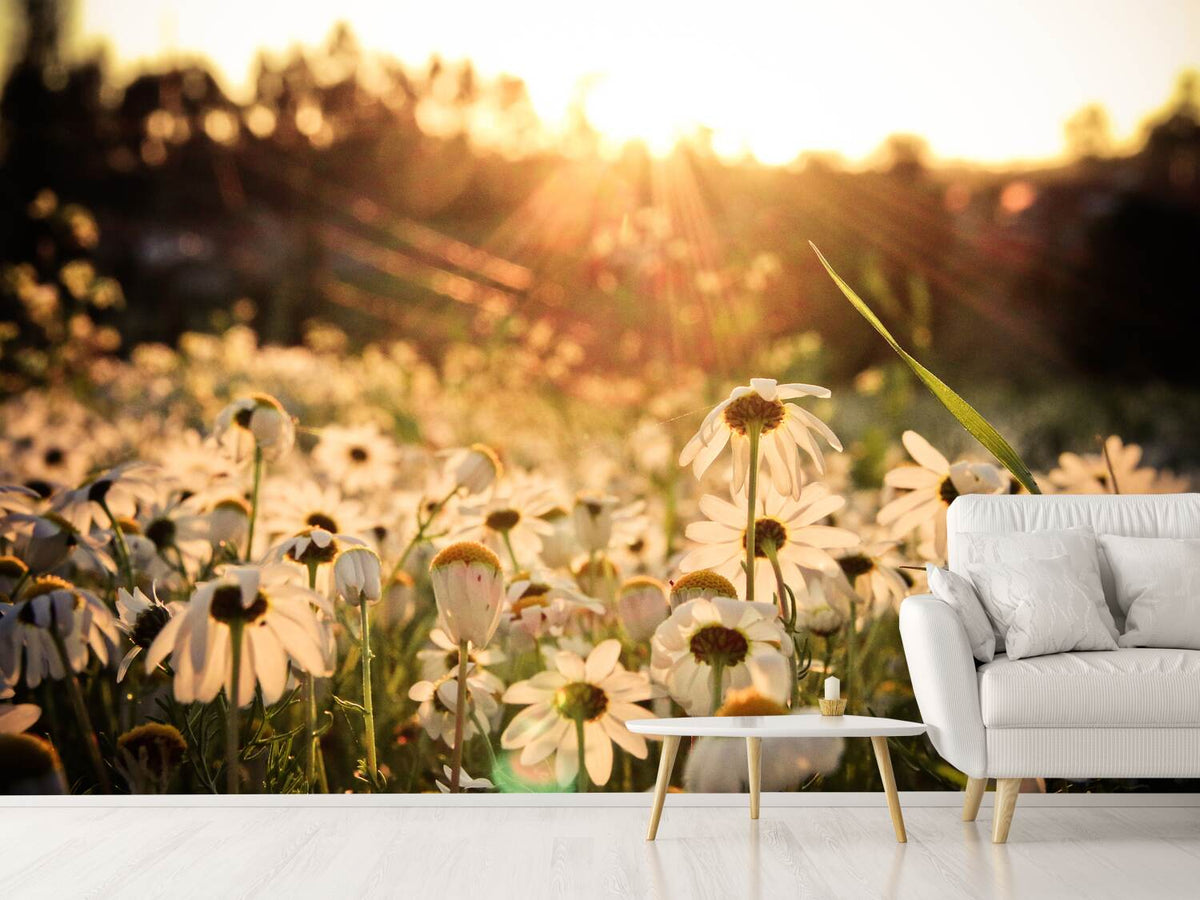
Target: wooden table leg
974,794
884,759
754,763
666,762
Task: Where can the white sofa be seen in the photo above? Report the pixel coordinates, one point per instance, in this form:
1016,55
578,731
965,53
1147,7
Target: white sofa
1127,713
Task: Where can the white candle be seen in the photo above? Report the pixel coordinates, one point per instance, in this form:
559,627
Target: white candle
833,688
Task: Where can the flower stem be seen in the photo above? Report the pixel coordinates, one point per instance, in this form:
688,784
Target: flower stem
81,714
232,773
718,695
753,431
312,746
511,554
581,776
481,724
851,630
422,527
460,716
258,467
368,704
123,558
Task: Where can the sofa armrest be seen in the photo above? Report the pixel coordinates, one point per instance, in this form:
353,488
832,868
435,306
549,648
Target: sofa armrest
942,670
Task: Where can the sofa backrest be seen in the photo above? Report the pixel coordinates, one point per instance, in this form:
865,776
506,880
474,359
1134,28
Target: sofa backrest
1127,515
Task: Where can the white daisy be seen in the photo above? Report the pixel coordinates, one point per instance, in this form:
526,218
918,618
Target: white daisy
703,649
48,611
510,522
592,698
786,429
442,658
544,603
290,506
785,526
1091,473
256,421
931,487
118,490
438,701
274,619
465,782
141,618
871,573
359,459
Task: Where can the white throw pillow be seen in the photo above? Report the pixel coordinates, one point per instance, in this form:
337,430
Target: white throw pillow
1015,547
1157,585
1041,606
959,594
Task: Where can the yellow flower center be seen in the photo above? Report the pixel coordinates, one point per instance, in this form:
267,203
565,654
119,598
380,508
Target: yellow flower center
322,520
947,491
233,504
767,531
227,606
580,701
749,702
705,580
534,595
502,520
12,567
752,409
312,554
163,745
715,644
465,552
149,623
856,564
642,583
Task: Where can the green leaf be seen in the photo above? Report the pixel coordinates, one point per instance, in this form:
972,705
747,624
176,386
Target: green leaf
970,419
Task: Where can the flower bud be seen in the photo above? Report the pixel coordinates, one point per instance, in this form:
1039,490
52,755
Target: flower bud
475,468
260,418
701,584
357,575
593,516
229,522
641,606
468,585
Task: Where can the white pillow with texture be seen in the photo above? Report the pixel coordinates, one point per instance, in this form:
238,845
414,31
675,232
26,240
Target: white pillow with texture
959,594
1157,585
1016,547
1042,607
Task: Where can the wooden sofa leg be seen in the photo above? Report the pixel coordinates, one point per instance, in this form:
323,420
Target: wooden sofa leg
1006,802
975,789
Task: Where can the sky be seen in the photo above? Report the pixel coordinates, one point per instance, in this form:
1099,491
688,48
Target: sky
986,81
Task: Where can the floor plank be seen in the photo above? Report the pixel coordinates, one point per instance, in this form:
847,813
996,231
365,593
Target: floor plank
831,852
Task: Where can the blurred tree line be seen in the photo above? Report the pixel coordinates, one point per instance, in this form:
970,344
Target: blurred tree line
428,203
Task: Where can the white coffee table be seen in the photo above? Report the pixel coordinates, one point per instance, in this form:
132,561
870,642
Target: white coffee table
755,728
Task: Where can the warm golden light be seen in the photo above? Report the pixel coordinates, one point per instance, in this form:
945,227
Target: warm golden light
989,81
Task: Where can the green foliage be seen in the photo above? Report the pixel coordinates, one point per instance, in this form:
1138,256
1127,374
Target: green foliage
970,419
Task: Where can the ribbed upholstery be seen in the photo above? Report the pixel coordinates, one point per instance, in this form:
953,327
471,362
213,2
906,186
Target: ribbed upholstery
1128,713
1145,687
942,670
1079,753
1127,515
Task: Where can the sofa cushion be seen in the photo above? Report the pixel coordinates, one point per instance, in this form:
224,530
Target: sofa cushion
1043,606
1140,686
959,594
1016,551
1128,515
1157,586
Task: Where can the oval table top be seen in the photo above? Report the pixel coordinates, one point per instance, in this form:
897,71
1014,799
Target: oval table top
799,725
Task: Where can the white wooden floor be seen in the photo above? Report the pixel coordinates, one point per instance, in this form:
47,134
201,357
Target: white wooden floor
435,852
